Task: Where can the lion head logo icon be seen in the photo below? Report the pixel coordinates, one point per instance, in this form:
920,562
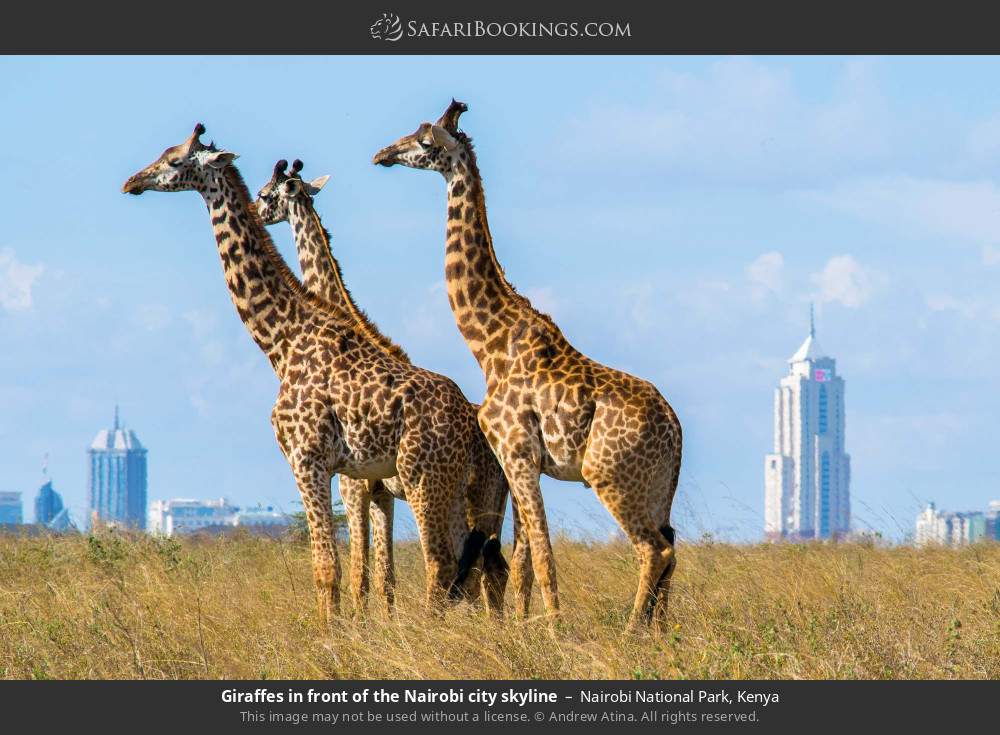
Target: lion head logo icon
387,28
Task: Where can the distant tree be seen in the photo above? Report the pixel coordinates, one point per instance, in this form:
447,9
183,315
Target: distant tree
298,525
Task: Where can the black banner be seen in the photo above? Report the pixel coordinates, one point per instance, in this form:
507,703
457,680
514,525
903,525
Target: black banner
513,27
496,706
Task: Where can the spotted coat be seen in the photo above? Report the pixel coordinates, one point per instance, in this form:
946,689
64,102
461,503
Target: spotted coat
343,405
287,197
549,408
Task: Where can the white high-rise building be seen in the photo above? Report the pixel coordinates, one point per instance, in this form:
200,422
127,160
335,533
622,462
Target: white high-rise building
807,477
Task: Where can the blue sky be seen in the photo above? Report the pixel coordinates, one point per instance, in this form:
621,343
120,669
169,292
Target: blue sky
675,215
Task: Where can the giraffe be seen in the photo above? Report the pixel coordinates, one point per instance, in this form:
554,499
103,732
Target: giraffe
549,408
287,197
343,406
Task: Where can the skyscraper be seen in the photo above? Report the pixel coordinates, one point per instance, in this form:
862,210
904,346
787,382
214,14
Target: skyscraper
117,479
807,477
48,504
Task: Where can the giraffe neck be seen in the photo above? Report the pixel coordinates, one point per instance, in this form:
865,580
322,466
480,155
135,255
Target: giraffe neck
484,303
322,276
266,294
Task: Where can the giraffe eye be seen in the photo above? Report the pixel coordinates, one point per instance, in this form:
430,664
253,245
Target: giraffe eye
175,163
425,144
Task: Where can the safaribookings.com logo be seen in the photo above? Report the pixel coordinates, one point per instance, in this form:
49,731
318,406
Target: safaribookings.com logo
390,28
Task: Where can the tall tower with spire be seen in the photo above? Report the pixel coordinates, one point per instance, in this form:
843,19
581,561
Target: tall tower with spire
117,477
807,476
48,503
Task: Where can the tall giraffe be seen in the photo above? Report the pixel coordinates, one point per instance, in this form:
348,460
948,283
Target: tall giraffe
343,406
287,197
548,408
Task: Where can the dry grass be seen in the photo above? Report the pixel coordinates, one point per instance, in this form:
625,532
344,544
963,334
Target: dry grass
113,607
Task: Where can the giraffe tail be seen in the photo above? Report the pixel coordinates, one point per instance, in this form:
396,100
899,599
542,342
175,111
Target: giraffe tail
474,544
493,558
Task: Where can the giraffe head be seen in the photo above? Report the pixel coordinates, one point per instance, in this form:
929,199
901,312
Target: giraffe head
275,195
185,167
434,146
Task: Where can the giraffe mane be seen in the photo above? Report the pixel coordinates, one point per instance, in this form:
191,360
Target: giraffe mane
286,274
479,195
363,322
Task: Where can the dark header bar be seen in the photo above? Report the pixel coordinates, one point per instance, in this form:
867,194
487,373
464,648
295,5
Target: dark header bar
513,27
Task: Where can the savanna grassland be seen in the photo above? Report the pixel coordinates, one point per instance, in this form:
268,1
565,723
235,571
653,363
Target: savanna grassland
113,606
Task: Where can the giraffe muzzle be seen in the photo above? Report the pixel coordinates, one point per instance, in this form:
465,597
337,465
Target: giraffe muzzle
135,185
385,157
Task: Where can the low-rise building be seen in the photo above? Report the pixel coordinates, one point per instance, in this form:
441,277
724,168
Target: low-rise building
183,515
993,520
945,528
11,512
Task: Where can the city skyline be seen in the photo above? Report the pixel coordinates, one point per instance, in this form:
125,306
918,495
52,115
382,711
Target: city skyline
675,216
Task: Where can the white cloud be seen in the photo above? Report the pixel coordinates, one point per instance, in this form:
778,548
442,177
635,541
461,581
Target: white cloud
969,307
743,119
204,324
983,138
945,302
424,320
766,274
200,405
991,256
640,306
963,211
152,317
208,336
16,281
709,298
843,280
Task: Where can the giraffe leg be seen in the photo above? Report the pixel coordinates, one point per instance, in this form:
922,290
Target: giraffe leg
520,565
439,562
655,552
466,584
657,611
356,497
384,572
313,480
496,570
435,509
521,464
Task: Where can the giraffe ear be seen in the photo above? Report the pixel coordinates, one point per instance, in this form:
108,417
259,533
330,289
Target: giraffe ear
443,138
220,159
312,187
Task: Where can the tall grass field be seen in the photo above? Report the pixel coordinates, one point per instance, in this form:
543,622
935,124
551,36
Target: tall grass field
116,606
